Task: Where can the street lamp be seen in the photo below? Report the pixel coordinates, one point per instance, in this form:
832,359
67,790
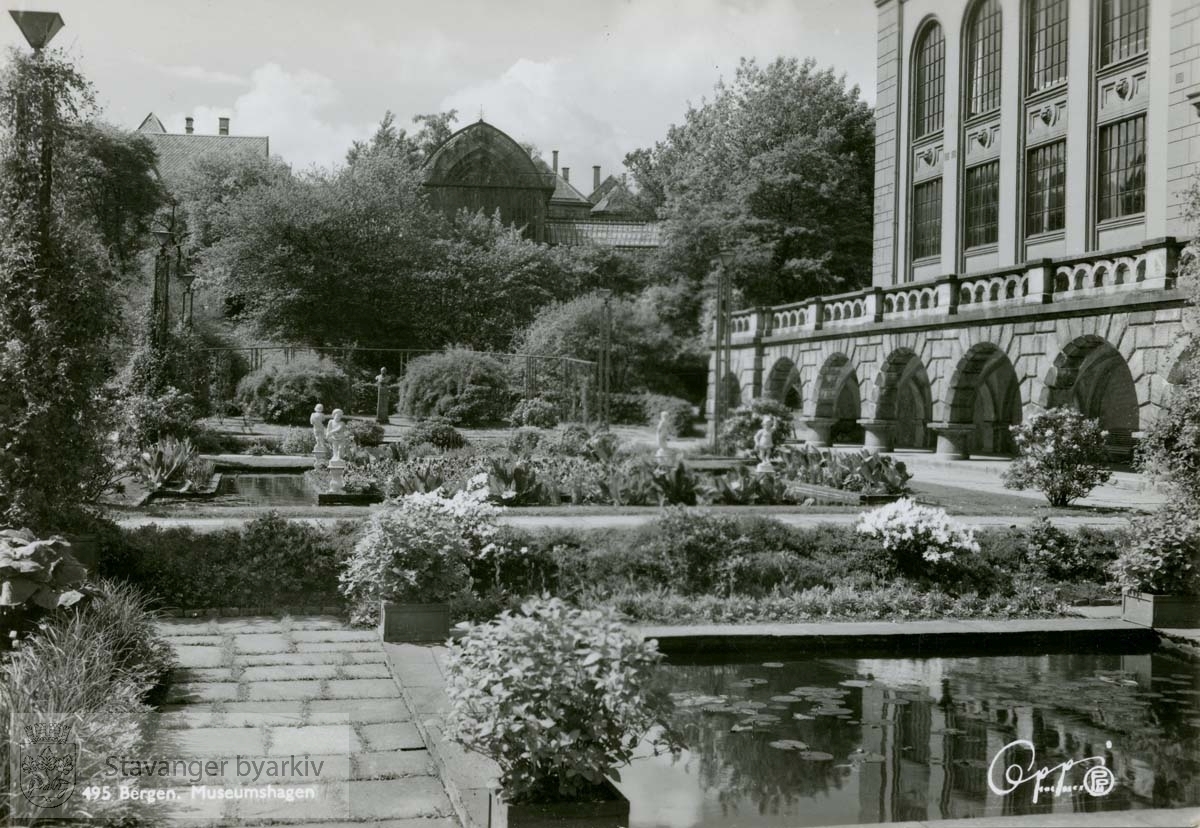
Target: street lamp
160,308
39,28
605,360
722,349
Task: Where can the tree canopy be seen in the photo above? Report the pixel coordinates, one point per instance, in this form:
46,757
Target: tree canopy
778,166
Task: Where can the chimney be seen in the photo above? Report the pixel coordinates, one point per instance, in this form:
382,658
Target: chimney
556,160
187,125
222,126
595,178
567,174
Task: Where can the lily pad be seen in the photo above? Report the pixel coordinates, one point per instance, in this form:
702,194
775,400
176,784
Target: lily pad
802,717
788,744
741,728
789,699
816,755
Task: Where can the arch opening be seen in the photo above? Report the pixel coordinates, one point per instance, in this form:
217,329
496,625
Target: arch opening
905,398
1091,376
985,393
838,398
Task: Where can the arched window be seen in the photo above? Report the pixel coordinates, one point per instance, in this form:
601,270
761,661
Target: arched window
929,81
1123,29
983,58
1047,27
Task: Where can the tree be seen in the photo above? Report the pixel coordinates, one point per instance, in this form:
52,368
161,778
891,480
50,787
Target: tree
435,128
780,167
56,305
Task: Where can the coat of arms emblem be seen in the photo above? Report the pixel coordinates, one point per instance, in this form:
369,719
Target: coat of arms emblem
48,763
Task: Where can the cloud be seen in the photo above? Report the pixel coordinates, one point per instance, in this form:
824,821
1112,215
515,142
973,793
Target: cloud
198,73
289,108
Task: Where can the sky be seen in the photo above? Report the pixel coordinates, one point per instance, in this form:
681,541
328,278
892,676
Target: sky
593,79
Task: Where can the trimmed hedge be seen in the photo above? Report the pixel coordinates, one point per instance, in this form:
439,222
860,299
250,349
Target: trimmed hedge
287,394
465,387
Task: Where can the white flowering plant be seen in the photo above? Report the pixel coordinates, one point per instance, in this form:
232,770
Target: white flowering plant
919,539
417,550
1061,453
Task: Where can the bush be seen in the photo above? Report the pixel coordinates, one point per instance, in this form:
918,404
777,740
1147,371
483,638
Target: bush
525,440
681,413
580,702
572,440
165,463
918,539
1164,558
270,562
1084,555
537,412
740,425
416,551
298,442
287,394
1171,447
146,420
35,576
465,387
1061,453
366,433
437,432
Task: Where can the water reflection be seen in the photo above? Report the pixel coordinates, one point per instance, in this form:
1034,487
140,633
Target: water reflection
263,489
829,741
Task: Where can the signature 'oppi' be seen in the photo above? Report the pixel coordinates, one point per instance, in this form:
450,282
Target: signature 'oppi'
1098,780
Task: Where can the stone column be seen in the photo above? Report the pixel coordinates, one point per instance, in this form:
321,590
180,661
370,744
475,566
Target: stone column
381,397
879,435
819,429
953,440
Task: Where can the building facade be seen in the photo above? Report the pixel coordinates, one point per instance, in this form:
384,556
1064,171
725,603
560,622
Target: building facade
1032,159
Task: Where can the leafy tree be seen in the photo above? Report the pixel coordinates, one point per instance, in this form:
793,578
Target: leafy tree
210,184
55,298
434,129
778,165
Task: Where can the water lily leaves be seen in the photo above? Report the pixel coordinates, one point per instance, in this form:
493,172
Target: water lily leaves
789,699
788,744
802,717
741,728
816,755
832,711
717,708
747,683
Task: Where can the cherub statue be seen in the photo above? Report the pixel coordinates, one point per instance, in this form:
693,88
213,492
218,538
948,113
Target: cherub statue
764,440
338,435
317,421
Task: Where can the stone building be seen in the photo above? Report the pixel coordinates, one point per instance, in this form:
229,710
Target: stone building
1031,163
177,150
482,168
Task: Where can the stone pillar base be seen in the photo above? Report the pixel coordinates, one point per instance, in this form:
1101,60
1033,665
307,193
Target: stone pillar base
321,453
953,440
879,435
819,430
337,473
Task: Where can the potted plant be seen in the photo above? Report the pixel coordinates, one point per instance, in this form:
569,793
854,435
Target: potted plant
559,698
410,562
1159,572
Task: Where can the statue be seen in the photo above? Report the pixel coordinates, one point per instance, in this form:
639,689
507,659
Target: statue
664,431
317,421
381,397
337,435
764,444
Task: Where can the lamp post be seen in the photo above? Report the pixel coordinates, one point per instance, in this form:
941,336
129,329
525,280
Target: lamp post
160,307
605,360
39,28
723,345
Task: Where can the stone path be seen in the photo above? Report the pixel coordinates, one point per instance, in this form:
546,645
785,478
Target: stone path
255,689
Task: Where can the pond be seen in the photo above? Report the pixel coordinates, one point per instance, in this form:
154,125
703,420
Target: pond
819,741
238,489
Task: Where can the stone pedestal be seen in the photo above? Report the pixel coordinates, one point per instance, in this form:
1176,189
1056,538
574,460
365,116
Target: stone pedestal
321,453
879,435
381,405
819,431
953,440
337,475
662,457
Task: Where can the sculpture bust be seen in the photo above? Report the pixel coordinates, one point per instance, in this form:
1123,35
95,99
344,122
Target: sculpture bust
338,435
317,421
382,379
764,439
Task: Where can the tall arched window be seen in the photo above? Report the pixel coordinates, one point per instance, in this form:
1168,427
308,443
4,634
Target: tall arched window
983,58
929,81
1047,27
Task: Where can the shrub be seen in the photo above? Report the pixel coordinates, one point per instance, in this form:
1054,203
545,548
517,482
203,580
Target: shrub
693,545
209,441
919,539
740,425
681,413
1061,453
365,433
1164,557
286,394
436,431
465,387
535,412
416,551
1171,447
572,440
558,697
146,420
298,442
1084,555
35,576
861,471
525,440
268,563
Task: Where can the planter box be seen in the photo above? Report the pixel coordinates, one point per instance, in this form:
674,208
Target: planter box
611,812
414,622
1163,611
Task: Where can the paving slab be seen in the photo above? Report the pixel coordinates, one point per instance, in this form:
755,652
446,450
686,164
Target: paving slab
392,736
335,738
418,796
282,690
202,692
259,713
324,657
203,674
214,741
360,688
189,656
391,764
335,635
364,711
261,643
336,646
